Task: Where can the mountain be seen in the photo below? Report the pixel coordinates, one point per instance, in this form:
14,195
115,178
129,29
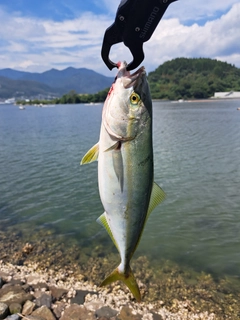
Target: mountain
81,80
12,74
195,78
24,88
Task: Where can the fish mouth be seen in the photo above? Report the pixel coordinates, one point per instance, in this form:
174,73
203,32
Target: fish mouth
130,80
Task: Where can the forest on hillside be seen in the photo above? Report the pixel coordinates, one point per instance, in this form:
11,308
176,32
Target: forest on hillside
196,78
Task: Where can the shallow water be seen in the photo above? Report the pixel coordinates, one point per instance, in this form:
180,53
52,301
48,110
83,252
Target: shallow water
196,158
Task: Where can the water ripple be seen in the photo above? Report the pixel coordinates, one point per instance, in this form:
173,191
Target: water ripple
196,159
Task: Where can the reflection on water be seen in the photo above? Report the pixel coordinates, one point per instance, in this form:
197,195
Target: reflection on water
196,152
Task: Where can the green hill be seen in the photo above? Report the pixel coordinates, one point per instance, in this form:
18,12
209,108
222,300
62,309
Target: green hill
197,78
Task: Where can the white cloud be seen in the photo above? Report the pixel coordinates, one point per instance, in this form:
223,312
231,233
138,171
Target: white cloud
15,27
38,45
84,31
184,10
14,46
52,44
27,63
213,40
196,10
233,59
110,6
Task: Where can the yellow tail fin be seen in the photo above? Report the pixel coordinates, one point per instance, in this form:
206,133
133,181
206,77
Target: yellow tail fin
128,279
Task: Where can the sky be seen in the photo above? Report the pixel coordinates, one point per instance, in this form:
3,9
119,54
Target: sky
38,35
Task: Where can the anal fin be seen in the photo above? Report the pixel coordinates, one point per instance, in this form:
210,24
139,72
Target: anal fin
102,220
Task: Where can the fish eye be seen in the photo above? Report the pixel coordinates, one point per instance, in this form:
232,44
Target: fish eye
134,98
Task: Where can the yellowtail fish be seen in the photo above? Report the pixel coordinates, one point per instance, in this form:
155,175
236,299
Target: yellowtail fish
125,168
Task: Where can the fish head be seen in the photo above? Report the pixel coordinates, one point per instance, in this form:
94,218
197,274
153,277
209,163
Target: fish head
128,106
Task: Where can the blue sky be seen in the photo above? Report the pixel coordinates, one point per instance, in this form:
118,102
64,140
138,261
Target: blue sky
39,35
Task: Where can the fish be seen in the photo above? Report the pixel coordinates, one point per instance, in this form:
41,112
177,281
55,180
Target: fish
125,168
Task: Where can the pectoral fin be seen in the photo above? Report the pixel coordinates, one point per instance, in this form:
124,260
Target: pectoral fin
157,196
115,146
118,166
103,221
91,155
117,161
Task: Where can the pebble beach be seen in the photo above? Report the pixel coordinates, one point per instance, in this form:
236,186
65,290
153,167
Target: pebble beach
43,280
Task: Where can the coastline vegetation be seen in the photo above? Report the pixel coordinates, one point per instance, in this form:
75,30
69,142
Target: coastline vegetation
180,78
70,98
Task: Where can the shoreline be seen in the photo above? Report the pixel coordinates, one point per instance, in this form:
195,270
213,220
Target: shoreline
169,291
50,103
94,301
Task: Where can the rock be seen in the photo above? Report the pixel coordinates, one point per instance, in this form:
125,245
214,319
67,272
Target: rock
44,313
28,248
57,293
15,308
6,285
156,316
80,297
12,294
3,310
26,287
13,317
1,282
126,314
4,276
33,280
94,305
76,312
44,299
34,318
58,308
106,312
15,282
28,307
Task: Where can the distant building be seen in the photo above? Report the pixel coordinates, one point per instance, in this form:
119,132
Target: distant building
227,95
10,100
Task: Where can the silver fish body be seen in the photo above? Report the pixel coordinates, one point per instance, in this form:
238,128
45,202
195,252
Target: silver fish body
125,168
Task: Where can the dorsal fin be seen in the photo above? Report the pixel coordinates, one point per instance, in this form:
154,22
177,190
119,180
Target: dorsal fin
157,196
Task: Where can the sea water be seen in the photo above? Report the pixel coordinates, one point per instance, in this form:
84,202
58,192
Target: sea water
196,161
